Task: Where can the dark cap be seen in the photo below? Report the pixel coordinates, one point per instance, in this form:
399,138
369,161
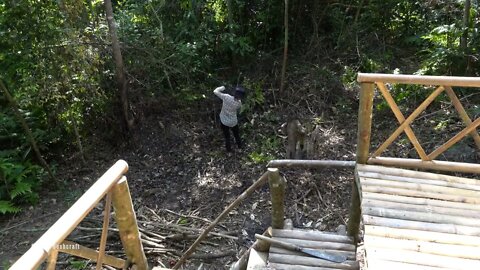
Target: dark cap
239,91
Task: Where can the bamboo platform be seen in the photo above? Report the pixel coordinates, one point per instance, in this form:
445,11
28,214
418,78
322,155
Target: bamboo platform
283,259
418,220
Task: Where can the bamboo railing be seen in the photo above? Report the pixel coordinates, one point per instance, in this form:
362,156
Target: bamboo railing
368,81
112,185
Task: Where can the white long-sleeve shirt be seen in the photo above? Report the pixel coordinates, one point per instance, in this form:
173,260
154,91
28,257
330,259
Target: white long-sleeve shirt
230,107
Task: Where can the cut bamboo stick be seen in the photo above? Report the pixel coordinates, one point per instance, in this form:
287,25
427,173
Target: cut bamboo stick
408,121
310,164
349,254
376,264
419,187
459,136
463,114
419,79
106,223
280,266
434,237
420,216
310,261
373,175
421,208
420,201
458,251
277,192
318,245
90,254
421,258
399,115
436,165
422,226
52,260
420,194
417,174
312,235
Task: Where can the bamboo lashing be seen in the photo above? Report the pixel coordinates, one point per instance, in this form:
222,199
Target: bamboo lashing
409,120
399,115
106,223
463,114
419,79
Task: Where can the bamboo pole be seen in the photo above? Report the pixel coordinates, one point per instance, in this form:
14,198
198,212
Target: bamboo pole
260,182
258,245
52,260
281,266
89,254
70,219
277,192
310,164
363,145
435,237
310,261
373,175
418,187
318,245
459,251
399,115
127,224
409,120
469,129
420,216
312,235
420,201
377,264
419,79
463,114
422,226
420,208
351,255
436,165
416,174
103,238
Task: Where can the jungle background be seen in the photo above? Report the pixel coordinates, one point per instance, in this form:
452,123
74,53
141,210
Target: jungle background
81,88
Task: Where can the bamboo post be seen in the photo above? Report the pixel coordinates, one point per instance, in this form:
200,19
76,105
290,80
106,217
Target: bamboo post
260,182
52,260
127,224
103,238
277,192
363,146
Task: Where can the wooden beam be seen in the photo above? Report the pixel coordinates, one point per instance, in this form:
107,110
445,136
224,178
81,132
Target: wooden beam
399,115
435,165
419,79
310,164
408,121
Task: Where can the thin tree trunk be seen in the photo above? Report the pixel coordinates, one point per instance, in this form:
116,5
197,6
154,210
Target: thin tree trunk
465,24
285,49
119,66
78,139
28,132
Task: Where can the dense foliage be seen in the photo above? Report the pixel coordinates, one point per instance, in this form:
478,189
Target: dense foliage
56,60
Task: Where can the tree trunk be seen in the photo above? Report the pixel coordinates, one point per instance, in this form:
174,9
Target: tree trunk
285,49
28,132
119,67
465,24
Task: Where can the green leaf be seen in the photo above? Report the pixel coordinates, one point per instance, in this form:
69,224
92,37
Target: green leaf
8,207
21,188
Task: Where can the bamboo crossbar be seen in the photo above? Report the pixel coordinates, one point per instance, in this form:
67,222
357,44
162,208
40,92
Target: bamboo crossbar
419,79
436,165
310,164
70,219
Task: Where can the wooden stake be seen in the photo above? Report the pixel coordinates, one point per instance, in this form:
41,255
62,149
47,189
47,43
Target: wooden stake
260,182
127,224
52,259
103,238
277,192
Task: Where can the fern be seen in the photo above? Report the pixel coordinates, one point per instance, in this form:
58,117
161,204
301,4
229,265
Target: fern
7,207
21,188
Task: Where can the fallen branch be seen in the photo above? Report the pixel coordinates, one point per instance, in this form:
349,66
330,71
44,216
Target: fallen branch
183,229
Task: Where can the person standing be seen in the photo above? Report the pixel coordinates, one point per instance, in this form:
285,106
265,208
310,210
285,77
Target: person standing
228,115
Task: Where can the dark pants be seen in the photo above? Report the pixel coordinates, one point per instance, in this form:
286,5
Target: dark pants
236,134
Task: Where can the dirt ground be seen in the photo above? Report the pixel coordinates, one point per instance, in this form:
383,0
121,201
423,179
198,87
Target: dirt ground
179,174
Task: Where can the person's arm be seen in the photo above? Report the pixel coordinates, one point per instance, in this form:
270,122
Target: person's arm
218,92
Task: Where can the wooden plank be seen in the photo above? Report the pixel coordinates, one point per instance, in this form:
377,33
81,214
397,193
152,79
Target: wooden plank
419,79
373,175
349,254
458,251
408,121
318,245
312,235
421,208
436,165
376,264
399,115
416,174
310,261
459,136
257,260
420,201
463,114
279,266
422,226
418,258
434,237
418,187
420,194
